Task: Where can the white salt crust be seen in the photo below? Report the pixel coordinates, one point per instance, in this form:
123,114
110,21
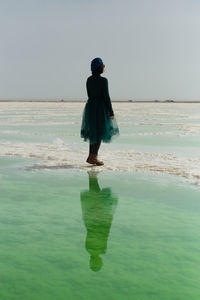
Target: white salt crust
169,119
59,155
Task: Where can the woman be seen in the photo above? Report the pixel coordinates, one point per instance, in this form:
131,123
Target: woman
98,122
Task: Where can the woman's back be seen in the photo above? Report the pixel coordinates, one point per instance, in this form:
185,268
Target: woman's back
96,87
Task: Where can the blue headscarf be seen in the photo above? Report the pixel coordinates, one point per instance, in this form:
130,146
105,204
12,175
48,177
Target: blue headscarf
96,63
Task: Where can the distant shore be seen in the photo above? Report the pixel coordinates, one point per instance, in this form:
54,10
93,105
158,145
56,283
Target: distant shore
113,101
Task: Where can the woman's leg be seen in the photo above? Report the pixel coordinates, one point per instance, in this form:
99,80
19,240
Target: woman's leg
94,148
93,152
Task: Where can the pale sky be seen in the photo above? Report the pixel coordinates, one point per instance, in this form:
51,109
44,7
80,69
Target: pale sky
151,48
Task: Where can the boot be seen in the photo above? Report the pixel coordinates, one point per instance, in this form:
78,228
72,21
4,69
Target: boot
92,159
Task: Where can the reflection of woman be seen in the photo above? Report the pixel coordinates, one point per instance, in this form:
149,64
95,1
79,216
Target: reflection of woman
98,207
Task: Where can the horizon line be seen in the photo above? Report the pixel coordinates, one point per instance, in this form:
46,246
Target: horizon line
114,101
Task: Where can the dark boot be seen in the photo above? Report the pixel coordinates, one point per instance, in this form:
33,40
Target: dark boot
92,159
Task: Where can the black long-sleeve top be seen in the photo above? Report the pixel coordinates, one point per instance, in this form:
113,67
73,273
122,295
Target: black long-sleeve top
97,90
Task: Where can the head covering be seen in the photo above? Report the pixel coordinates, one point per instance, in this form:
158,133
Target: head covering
96,63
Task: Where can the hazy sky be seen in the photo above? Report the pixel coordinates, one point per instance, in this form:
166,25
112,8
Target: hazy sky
151,48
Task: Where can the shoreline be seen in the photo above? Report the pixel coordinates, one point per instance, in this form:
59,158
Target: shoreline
113,101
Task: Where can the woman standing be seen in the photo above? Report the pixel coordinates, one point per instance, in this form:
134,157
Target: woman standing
98,122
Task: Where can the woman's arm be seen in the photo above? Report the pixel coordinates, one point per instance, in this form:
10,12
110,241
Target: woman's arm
106,97
87,88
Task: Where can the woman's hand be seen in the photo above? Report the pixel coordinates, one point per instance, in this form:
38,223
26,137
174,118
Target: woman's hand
111,117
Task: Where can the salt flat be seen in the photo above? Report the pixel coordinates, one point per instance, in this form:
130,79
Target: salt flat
127,229
154,137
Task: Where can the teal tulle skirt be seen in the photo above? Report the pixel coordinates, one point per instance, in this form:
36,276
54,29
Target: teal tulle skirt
96,123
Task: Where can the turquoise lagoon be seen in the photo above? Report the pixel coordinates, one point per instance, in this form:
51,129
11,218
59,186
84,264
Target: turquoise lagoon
69,231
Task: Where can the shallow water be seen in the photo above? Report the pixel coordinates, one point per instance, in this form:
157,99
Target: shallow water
142,232
128,230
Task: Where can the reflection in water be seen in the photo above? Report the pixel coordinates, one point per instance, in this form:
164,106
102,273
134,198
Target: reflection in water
98,206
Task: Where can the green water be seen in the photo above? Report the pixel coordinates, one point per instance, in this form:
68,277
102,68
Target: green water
142,231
